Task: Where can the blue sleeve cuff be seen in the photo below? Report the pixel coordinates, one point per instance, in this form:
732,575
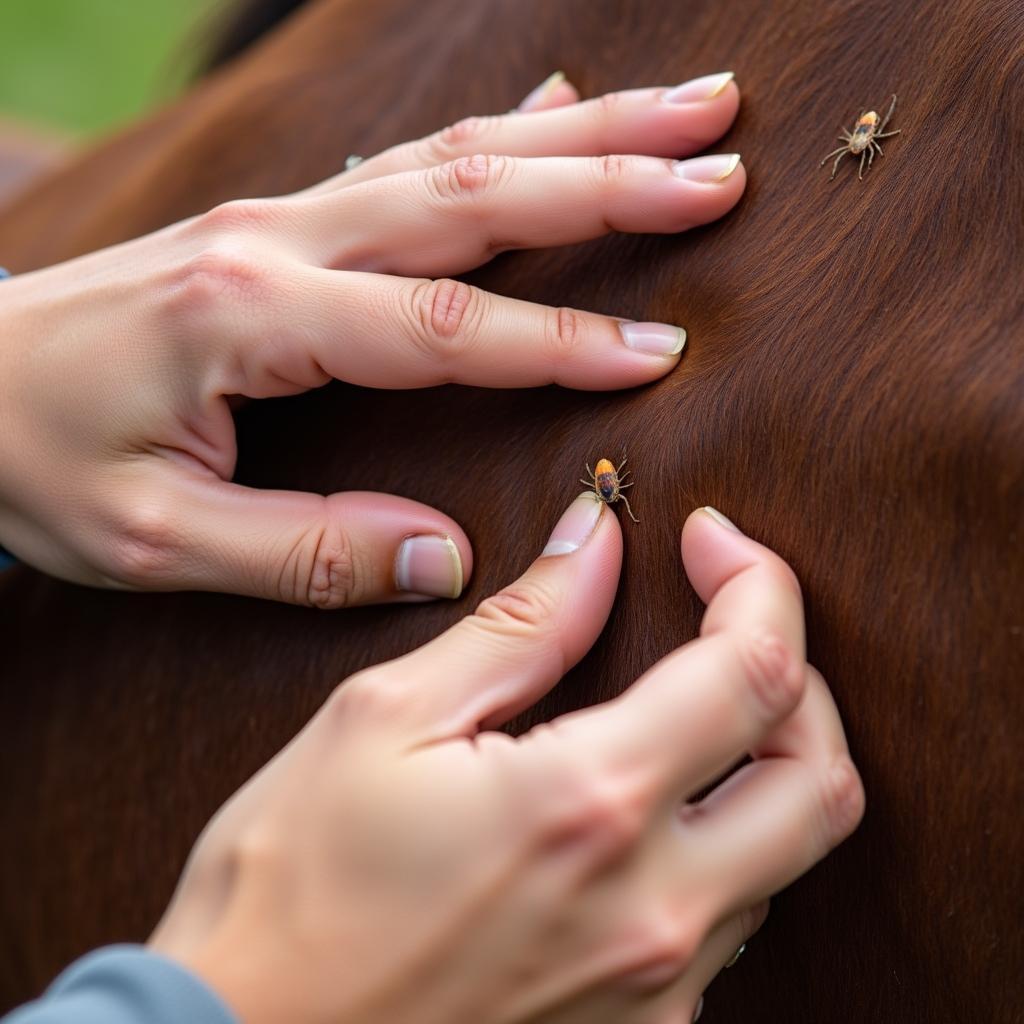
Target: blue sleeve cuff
125,985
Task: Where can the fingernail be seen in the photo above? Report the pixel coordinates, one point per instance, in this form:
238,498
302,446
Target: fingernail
542,92
578,522
707,169
653,339
706,88
720,519
430,566
699,1010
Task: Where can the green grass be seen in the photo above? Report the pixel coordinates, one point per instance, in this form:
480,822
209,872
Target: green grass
82,66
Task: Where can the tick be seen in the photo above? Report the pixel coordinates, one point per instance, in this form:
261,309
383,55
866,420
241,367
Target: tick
863,139
607,483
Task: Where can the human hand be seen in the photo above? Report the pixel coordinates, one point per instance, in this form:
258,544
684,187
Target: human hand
118,442
402,863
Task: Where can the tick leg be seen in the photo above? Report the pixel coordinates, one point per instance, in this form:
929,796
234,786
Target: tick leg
589,483
618,469
622,476
622,486
590,471
842,153
628,509
886,135
877,148
871,156
892,107
860,173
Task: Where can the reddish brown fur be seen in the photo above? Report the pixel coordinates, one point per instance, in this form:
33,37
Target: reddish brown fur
851,395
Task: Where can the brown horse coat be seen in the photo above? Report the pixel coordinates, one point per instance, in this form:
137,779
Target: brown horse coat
853,396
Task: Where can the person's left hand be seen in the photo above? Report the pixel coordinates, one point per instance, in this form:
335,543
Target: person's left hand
117,445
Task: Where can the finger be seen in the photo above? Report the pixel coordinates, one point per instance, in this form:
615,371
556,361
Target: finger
715,953
393,332
670,122
456,216
553,92
769,823
716,560
517,644
746,586
345,549
697,711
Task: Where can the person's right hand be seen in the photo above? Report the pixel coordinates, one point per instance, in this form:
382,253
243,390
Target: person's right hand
401,862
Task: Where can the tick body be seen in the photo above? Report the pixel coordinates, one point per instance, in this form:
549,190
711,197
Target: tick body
607,483
863,140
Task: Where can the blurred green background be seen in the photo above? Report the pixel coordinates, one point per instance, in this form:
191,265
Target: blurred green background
82,66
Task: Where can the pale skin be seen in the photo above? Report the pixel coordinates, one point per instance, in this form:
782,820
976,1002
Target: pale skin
118,366
401,860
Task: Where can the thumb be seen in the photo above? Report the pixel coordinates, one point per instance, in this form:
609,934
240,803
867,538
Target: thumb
352,548
514,648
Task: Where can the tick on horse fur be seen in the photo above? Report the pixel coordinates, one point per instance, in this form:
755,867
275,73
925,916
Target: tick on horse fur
863,140
607,483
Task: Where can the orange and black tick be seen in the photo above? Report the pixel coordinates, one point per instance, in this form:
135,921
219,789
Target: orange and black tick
607,483
863,139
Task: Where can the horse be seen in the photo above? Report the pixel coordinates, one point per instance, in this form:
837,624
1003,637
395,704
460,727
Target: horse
852,396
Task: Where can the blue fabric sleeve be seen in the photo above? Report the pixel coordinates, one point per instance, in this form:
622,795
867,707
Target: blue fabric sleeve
125,985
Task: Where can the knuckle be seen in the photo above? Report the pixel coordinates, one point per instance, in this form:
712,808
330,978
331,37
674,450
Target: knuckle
370,694
147,543
598,811
564,333
257,850
606,106
843,800
469,177
525,607
609,812
237,216
321,569
772,674
445,316
458,137
662,946
213,276
614,168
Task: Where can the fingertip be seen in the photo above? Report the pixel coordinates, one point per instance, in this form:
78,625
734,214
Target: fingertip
582,561
563,95
715,183
433,565
697,113
405,551
712,548
554,91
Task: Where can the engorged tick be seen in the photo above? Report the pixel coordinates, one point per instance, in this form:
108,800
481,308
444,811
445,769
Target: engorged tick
863,140
607,483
